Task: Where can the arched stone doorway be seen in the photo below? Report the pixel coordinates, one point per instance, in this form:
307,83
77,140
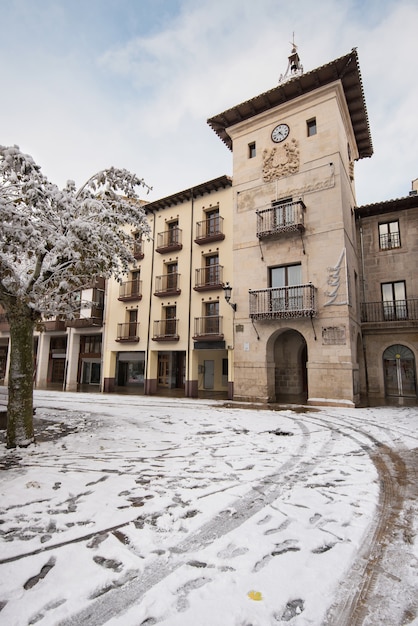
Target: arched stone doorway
290,356
399,371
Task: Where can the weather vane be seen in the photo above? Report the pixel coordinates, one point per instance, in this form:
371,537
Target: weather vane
294,66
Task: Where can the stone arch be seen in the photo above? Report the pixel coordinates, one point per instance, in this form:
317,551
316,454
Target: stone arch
399,371
287,354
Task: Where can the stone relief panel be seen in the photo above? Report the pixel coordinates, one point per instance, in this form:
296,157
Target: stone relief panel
281,161
337,280
296,186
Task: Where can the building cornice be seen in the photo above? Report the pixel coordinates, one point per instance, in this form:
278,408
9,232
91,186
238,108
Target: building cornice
346,69
389,206
222,182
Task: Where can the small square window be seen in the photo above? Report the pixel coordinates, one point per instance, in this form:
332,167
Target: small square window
251,150
311,127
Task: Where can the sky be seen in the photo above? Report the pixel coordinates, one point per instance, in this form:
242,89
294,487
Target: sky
87,84
143,510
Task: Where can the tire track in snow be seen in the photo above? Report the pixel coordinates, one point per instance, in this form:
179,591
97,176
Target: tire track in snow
377,573
118,600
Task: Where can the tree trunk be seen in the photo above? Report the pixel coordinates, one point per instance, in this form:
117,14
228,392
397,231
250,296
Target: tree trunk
20,402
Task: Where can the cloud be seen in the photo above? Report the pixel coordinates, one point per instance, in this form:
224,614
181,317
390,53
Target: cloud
132,83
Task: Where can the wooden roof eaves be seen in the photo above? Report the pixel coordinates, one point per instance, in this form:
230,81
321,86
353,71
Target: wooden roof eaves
345,68
388,206
222,182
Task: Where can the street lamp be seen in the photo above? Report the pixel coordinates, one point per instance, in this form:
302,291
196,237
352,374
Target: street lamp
227,292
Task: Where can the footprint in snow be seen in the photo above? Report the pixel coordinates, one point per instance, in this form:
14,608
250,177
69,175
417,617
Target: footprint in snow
232,551
182,601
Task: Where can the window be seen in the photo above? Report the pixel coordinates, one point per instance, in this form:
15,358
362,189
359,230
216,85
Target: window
138,247
132,324
135,284
212,269
252,150
286,293
212,221
170,320
389,236
91,344
212,317
173,232
311,127
283,212
394,301
171,272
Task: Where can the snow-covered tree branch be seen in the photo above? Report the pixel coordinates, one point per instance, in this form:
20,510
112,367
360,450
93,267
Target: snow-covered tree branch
53,243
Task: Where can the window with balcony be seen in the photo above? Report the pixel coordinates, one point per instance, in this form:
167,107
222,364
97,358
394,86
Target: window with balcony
389,235
286,288
211,228
285,298
129,332
170,239
131,289
166,329
209,276
281,216
394,301
138,250
169,282
209,326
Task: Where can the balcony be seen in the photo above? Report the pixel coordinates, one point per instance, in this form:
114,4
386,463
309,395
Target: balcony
208,278
397,312
169,240
51,325
128,332
280,219
210,230
283,302
167,285
130,291
86,318
138,250
208,328
166,330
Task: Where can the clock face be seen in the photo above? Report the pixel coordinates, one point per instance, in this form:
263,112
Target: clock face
280,133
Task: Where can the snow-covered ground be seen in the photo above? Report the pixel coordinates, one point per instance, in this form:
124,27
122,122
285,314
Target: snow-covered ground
136,510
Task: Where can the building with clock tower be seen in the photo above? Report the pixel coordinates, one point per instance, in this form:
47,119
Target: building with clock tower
297,332
269,286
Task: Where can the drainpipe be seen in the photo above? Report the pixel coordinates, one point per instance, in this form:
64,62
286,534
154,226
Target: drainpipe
146,381
363,289
189,351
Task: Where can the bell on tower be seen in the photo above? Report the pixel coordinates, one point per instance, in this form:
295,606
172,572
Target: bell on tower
294,67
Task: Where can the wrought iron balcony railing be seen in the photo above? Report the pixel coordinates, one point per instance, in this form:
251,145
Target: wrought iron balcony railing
166,330
210,277
283,302
208,328
167,284
280,218
392,311
388,241
130,290
169,240
210,230
128,332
